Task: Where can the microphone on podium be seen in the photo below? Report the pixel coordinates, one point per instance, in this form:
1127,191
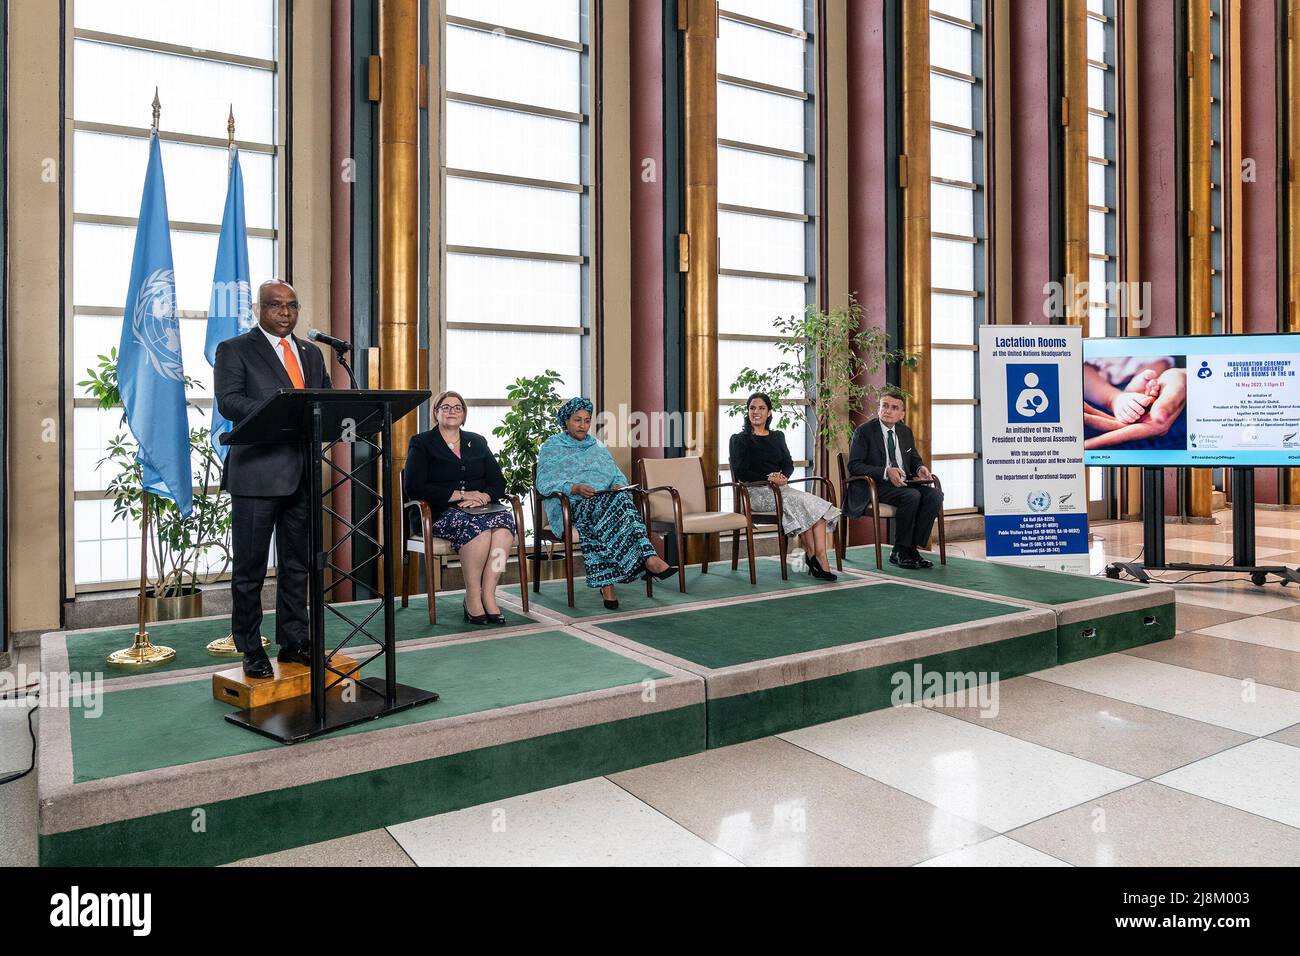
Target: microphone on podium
339,345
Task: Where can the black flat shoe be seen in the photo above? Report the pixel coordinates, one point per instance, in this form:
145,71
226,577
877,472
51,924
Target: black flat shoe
816,570
497,618
663,575
257,665
610,605
295,654
476,618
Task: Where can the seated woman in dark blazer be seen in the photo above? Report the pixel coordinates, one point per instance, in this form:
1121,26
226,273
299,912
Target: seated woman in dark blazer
454,470
760,458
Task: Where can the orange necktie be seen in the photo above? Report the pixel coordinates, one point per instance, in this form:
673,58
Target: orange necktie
291,364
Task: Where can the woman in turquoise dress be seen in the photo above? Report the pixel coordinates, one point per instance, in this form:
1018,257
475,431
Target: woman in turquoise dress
615,547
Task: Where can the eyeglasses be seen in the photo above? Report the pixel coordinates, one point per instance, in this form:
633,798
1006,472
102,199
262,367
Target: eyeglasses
451,409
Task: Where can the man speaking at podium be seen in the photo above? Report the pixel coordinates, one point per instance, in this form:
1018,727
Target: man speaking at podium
268,484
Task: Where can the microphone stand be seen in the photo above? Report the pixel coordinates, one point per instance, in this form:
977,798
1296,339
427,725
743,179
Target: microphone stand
341,355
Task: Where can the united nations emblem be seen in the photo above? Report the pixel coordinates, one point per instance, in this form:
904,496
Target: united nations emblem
154,324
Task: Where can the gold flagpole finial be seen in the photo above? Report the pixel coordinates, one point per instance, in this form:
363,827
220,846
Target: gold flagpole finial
157,109
230,127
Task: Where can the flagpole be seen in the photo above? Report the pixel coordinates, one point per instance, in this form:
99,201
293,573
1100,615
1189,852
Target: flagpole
225,646
142,651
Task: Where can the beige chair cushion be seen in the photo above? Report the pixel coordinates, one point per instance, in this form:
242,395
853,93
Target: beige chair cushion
706,522
441,546
710,522
684,474
886,511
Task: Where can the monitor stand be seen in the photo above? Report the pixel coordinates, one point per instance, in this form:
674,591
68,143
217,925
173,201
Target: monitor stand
1243,535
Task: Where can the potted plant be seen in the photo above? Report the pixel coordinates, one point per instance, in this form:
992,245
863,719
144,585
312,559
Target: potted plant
830,358
529,421
176,544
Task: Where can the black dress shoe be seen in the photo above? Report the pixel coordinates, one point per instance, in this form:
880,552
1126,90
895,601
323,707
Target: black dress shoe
816,570
903,561
922,562
663,575
295,654
475,618
257,665
610,605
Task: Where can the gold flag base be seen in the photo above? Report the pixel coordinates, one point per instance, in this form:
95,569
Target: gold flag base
225,646
141,653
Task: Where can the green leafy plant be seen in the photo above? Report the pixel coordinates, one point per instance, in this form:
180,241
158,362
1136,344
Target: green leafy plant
829,357
176,543
528,423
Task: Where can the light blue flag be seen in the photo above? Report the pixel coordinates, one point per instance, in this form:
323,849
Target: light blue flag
150,374
231,310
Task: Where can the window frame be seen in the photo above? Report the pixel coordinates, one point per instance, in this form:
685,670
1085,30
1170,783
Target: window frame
280,234
810,156
587,257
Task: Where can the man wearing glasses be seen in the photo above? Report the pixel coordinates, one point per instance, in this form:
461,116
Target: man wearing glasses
268,484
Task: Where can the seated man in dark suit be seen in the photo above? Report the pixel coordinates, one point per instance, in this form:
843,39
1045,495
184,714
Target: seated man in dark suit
885,450
268,484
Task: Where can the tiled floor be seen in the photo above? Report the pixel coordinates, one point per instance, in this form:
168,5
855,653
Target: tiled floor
1182,753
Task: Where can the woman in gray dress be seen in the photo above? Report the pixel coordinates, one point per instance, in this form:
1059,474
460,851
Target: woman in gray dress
760,458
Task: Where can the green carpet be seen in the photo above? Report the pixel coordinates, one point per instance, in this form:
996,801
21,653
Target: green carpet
995,578
720,582
163,726
742,633
86,652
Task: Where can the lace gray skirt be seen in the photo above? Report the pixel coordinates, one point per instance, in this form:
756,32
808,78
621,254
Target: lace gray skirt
800,510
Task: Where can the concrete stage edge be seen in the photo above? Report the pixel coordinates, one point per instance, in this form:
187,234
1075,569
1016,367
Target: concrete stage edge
557,698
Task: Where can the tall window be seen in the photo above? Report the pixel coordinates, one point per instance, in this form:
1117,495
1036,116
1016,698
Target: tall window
205,59
766,192
1103,220
957,241
1103,228
516,198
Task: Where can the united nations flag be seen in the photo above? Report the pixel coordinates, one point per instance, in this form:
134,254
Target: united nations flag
231,309
150,374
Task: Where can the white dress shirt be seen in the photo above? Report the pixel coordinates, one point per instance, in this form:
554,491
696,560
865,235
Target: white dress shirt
898,448
275,341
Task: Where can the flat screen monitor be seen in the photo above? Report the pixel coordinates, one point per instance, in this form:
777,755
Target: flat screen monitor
1212,401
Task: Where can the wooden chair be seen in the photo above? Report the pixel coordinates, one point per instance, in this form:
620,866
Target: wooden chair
436,550
765,519
877,510
675,497
567,539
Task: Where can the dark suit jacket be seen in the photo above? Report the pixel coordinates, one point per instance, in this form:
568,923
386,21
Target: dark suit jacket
433,472
248,371
867,456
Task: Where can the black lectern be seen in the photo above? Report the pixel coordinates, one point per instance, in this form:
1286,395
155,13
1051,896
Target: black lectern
319,419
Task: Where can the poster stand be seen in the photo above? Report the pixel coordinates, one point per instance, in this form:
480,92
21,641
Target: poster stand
1243,534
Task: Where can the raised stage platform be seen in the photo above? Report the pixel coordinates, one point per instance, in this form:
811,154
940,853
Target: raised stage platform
563,694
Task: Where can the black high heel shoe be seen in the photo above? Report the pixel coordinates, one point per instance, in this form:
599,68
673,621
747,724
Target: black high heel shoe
476,618
816,570
663,575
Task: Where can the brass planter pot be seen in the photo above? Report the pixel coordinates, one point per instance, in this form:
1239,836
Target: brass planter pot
186,605
550,568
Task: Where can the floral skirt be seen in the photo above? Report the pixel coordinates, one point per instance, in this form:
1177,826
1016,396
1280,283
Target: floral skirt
614,543
460,527
800,510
